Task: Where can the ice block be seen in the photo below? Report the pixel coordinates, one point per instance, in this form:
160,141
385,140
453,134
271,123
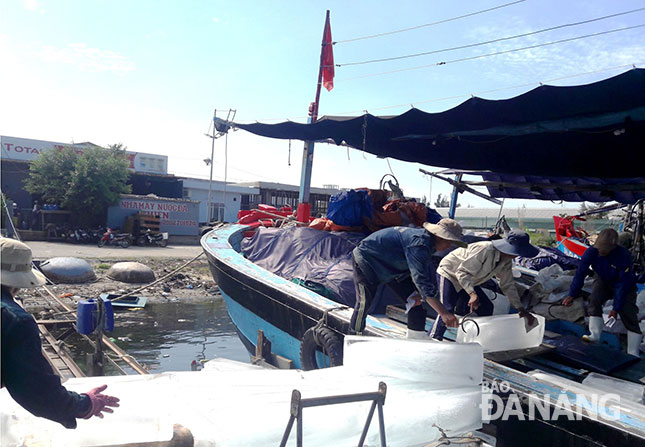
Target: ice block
442,365
630,391
501,332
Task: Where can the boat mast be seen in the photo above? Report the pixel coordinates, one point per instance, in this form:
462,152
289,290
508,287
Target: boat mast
304,208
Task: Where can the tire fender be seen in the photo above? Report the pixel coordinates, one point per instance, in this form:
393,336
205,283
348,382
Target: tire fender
320,338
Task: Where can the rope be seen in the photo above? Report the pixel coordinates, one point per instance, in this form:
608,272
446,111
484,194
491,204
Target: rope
456,440
156,281
321,323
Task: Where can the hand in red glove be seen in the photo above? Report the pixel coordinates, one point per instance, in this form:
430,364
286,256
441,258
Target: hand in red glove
100,402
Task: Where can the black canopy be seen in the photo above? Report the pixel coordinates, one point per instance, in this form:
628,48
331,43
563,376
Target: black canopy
593,130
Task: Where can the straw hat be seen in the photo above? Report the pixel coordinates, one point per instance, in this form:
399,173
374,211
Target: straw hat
17,270
447,229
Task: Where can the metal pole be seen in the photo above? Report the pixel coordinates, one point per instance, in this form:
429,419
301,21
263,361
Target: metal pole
308,150
210,179
225,173
454,197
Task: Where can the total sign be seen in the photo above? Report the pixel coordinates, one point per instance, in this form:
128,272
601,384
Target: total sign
25,149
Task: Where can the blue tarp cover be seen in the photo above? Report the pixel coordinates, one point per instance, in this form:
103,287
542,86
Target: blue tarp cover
547,257
319,256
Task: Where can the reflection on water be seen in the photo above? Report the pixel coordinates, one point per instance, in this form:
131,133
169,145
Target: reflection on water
169,336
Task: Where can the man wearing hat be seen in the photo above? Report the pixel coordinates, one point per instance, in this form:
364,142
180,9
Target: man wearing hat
613,279
463,270
401,258
25,371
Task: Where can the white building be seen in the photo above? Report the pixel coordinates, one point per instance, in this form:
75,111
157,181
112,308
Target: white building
226,199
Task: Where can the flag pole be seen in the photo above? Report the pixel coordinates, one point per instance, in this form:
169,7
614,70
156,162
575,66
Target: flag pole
304,207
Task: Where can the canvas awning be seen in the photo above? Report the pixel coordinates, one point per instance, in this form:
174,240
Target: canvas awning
570,189
594,130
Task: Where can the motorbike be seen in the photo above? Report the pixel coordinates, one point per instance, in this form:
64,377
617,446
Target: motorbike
78,236
111,238
152,238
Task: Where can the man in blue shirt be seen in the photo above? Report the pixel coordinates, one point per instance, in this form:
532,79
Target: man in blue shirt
614,279
401,258
25,371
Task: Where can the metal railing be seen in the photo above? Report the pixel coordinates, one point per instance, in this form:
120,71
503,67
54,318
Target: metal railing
298,404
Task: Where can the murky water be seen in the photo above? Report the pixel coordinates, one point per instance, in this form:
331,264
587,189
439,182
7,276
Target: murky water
169,336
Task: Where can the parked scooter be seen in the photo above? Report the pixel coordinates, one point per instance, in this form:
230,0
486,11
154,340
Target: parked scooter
151,238
79,236
111,238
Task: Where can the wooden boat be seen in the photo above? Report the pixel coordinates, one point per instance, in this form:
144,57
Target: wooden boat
258,300
546,122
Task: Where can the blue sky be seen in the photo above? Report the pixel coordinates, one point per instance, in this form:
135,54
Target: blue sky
149,74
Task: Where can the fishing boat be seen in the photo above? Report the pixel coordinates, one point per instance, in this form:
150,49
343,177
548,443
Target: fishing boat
477,137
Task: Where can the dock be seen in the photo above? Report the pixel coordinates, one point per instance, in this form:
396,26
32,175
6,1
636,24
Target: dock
60,359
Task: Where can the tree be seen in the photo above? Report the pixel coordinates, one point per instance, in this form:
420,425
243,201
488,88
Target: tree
85,184
443,202
50,174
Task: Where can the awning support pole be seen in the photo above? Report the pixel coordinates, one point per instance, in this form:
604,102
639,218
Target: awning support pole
454,197
304,208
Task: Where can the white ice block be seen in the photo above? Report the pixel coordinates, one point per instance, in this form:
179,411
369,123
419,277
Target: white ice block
217,403
502,333
630,391
443,365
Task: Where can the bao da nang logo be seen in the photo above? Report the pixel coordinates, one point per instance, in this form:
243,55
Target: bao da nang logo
500,403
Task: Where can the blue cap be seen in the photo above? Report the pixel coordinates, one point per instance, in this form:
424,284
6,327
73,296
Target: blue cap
517,243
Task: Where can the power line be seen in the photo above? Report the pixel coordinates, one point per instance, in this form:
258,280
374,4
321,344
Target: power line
461,47
431,24
497,53
465,95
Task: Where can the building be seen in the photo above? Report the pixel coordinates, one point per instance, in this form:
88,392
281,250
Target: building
149,172
177,217
526,218
226,199
280,194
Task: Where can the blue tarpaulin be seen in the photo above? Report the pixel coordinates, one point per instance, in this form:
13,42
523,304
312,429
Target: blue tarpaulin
321,257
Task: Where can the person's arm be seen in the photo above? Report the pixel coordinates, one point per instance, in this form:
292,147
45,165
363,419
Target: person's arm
509,288
422,270
423,276
581,273
31,381
625,281
476,258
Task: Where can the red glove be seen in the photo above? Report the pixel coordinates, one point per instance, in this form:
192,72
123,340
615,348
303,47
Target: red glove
100,402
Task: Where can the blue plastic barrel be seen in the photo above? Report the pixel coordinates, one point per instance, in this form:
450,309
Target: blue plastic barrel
108,321
87,316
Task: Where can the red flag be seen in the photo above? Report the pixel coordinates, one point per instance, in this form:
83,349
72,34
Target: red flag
327,57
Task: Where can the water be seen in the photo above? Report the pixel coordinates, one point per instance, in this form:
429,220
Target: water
169,336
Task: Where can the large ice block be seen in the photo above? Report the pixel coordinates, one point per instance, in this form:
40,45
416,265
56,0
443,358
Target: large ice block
217,403
630,391
501,332
444,365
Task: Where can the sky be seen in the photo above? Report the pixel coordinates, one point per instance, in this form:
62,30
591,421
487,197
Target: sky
151,74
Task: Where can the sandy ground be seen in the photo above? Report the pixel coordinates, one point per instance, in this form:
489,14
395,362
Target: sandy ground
192,283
